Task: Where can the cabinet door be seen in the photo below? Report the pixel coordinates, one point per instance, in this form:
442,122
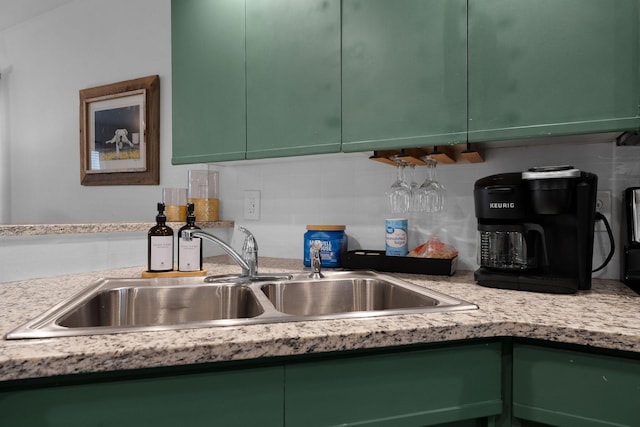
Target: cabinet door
569,388
293,77
415,388
241,397
548,67
404,73
208,81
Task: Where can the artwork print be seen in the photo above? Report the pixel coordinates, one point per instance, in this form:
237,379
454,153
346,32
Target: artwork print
120,133
116,126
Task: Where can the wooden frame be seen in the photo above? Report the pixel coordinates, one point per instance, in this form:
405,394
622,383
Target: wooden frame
120,133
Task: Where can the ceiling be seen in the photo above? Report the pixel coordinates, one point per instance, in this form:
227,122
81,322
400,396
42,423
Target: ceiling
13,12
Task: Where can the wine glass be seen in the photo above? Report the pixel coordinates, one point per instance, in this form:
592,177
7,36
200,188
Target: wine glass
414,206
441,191
431,195
399,194
426,194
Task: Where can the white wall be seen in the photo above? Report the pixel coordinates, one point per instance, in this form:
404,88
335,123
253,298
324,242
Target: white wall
49,59
85,43
5,197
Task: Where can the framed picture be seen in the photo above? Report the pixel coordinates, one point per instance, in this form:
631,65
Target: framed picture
120,133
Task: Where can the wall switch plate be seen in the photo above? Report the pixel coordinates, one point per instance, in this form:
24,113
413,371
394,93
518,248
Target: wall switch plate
603,205
252,204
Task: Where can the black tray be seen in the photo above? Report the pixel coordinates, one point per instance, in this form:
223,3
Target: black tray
377,260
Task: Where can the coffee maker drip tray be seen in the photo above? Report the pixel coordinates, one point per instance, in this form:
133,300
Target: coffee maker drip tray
529,282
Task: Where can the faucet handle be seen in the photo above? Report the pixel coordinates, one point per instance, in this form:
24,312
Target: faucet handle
250,244
316,260
250,251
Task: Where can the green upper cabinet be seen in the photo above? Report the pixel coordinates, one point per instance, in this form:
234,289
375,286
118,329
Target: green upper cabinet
548,67
208,80
274,78
404,73
293,77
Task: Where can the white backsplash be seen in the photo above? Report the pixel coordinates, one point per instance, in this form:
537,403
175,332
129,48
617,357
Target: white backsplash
349,190
344,189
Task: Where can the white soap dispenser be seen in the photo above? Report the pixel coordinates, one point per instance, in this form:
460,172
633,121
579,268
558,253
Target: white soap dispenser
189,251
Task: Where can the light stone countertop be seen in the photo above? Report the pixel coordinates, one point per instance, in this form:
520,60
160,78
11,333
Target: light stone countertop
608,316
17,230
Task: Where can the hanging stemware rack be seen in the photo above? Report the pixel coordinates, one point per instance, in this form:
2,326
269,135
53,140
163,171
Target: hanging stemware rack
447,155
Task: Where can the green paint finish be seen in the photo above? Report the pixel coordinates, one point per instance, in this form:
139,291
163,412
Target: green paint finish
575,389
403,73
243,397
540,68
293,77
208,80
416,388
457,385
275,78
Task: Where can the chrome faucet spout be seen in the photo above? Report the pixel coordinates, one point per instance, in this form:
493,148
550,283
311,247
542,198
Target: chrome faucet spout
246,268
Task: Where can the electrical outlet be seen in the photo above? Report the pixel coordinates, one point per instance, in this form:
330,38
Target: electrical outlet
603,205
252,204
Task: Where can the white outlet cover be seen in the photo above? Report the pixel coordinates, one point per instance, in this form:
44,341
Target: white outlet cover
252,204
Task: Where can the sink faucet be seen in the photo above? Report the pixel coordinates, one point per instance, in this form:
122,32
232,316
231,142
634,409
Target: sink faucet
248,261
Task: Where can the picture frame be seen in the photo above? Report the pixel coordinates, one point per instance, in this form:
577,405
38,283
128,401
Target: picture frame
120,133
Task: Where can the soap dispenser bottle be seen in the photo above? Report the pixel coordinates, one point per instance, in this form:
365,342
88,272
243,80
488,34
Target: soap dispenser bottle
160,244
189,251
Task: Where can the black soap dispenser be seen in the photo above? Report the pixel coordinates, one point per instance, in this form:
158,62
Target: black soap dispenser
160,244
189,251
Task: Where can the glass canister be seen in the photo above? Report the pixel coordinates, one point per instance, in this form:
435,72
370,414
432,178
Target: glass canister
203,193
334,244
175,201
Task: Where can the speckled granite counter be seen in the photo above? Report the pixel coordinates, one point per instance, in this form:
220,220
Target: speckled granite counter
116,227
608,316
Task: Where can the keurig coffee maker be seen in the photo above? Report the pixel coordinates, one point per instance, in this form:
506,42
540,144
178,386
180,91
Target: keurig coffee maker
536,229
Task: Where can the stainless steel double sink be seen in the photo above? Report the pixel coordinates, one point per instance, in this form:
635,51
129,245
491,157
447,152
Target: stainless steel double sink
126,305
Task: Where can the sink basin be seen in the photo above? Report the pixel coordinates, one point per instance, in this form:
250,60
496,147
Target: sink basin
126,305
163,305
343,295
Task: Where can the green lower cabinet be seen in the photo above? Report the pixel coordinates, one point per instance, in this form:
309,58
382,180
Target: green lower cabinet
549,67
565,388
428,387
478,384
239,398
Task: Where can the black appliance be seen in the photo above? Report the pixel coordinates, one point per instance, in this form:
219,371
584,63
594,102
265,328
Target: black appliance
536,229
631,231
